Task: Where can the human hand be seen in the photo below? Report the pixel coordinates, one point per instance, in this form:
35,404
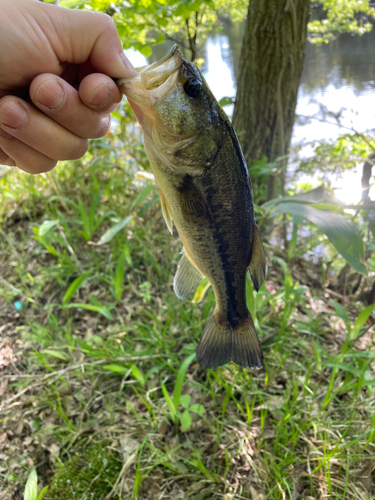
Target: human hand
56,87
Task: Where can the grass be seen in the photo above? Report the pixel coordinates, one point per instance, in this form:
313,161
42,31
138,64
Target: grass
96,350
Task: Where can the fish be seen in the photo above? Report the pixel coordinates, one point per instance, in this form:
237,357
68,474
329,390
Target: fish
205,193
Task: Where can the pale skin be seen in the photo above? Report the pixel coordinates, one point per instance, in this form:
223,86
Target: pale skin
56,87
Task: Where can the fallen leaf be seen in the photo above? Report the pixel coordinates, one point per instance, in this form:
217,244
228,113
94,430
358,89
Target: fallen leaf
3,387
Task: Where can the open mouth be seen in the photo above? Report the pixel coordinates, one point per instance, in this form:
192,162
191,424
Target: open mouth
154,81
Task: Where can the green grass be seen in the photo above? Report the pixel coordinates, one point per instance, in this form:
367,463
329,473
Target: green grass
103,353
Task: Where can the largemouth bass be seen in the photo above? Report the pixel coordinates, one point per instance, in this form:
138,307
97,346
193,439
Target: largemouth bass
205,192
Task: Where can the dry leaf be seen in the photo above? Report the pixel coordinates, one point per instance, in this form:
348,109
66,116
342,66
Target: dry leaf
3,387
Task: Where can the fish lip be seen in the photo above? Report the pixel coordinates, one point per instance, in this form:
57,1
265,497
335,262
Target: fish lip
152,76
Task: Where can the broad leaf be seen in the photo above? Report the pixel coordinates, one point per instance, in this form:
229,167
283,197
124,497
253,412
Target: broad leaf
342,233
185,400
31,488
198,409
185,420
226,101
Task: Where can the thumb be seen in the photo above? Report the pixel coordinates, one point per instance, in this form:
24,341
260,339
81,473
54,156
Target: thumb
81,36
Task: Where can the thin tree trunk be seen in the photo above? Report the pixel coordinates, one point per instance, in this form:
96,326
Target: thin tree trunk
269,76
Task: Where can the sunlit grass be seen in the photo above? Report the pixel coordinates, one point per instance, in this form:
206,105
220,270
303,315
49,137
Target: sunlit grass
106,355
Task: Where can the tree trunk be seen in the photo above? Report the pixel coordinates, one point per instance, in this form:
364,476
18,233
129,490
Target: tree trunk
269,76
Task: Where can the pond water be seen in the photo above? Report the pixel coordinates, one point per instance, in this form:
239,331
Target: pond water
338,75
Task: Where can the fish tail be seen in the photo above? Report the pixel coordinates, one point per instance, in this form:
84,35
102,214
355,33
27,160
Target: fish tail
221,343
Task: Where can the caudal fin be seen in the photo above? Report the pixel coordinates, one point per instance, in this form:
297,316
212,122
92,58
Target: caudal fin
220,344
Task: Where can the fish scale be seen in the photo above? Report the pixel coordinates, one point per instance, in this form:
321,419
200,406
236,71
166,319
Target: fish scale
205,192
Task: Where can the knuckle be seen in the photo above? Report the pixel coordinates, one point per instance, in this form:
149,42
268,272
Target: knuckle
106,21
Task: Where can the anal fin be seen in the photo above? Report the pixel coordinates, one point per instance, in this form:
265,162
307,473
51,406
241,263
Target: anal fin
257,266
187,278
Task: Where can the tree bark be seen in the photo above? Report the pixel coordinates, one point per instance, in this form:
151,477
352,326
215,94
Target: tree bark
269,76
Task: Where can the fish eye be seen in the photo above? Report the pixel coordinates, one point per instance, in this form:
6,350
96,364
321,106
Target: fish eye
193,88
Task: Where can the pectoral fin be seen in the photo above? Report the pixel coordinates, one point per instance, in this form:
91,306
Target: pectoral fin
166,213
192,203
257,266
187,278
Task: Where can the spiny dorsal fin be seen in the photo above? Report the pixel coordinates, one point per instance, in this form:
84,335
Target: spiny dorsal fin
187,278
166,213
257,266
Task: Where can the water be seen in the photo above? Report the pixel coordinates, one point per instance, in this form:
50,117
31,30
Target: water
338,75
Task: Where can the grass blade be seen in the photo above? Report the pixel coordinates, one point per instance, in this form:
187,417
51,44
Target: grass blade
74,287
108,235
180,380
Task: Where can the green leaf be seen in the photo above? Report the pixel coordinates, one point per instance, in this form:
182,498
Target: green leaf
108,235
171,406
119,275
116,368
146,50
226,101
340,311
90,307
141,195
55,354
162,22
201,291
138,375
198,409
180,380
185,400
42,493
360,321
47,226
342,233
185,420
147,205
31,488
73,287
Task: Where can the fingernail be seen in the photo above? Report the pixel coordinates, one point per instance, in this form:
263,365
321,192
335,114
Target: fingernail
12,114
51,95
100,96
128,65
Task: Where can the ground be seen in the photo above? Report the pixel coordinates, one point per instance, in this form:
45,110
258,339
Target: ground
97,358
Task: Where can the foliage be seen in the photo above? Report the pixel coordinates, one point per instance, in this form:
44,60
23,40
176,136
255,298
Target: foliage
343,234
342,16
144,23
331,157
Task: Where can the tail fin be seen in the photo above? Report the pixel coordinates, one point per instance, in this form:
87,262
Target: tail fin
222,343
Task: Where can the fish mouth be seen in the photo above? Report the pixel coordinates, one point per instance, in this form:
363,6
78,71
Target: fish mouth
152,82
